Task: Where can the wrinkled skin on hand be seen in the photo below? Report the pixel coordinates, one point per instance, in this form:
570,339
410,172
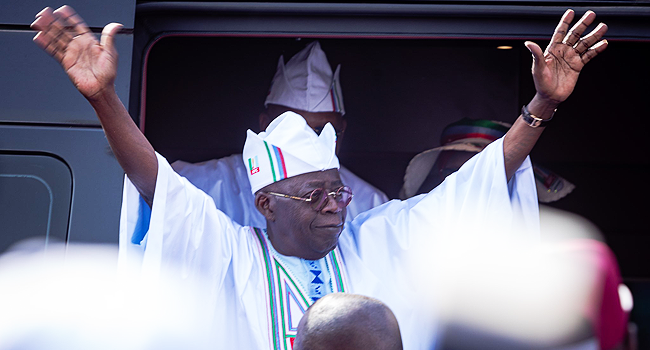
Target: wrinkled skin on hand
555,71
90,64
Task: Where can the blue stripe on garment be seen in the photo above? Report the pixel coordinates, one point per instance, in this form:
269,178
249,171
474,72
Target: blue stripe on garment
142,225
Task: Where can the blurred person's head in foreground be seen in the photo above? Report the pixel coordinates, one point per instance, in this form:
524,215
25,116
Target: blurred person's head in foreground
74,297
348,321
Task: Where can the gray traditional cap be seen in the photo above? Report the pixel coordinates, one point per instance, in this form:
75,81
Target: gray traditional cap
306,83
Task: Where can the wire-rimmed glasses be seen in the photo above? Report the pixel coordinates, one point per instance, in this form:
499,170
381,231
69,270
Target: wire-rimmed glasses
318,197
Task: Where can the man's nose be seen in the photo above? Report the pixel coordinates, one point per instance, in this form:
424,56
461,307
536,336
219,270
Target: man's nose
331,204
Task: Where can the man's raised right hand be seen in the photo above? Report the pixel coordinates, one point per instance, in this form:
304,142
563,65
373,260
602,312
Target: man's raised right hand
91,65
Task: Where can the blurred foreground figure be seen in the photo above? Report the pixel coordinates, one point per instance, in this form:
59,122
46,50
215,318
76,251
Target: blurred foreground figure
348,321
74,298
567,294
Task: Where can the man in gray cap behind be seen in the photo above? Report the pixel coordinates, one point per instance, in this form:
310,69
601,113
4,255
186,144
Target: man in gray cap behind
307,86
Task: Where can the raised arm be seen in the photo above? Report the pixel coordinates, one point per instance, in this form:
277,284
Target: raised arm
92,67
555,73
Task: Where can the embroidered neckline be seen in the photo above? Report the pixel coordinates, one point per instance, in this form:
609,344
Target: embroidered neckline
289,268
284,296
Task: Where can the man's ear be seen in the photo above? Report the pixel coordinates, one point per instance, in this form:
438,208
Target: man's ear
265,120
264,206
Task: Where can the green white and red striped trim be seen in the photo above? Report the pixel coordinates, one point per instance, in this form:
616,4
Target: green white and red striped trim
276,159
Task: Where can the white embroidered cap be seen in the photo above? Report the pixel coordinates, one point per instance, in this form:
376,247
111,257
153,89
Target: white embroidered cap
306,83
287,148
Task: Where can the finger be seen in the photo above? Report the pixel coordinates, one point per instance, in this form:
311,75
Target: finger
535,50
586,42
39,39
49,45
43,19
594,51
562,27
108,36
538,55
49,24
59,32
576,31
45,41
53,32
43,11
71,20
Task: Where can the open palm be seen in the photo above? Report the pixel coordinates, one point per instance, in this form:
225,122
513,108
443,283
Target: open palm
556,71
90,64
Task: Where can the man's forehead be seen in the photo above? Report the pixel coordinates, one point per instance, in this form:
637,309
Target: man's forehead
317,179
323,183
330,175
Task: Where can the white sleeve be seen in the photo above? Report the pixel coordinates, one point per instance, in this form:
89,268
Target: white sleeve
476,201
225,180
397,252
184,228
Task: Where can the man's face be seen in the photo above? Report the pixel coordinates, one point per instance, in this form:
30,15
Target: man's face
299,230
315,120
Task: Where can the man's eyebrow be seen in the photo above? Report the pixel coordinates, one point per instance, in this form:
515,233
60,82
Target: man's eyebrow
314,183
318,183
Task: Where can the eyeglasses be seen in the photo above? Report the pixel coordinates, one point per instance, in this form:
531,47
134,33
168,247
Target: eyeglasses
318,198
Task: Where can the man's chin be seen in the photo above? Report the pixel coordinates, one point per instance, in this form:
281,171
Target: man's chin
328,231
325,248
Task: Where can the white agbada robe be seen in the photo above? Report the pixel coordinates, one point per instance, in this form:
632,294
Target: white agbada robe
373,256
225,180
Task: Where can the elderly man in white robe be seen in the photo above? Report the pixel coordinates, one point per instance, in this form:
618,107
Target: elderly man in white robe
263,280
307,86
